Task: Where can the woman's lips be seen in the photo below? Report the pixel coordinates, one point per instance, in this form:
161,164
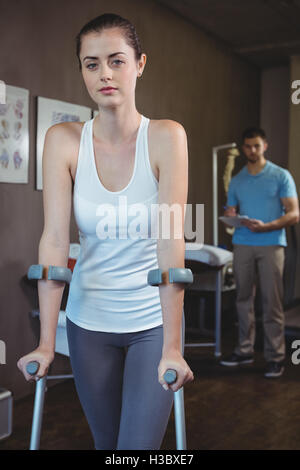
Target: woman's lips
108,90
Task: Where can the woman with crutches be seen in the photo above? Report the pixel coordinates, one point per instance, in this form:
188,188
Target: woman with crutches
123,333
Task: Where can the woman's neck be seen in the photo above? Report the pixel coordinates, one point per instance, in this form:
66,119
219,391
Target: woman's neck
116,125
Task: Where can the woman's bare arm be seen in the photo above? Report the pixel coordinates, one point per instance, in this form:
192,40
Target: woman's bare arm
54,242
173,187
55,239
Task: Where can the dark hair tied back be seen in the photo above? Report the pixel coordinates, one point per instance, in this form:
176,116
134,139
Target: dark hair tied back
107,21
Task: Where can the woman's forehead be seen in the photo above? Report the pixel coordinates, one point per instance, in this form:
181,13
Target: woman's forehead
106,42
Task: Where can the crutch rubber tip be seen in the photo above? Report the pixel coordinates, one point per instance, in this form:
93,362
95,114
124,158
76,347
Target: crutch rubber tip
32,367
170,376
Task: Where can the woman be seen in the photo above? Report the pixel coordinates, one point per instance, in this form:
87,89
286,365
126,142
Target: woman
123,334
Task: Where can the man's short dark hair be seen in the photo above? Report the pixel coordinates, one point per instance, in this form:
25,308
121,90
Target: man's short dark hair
251,132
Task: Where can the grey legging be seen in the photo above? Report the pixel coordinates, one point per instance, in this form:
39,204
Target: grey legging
116,379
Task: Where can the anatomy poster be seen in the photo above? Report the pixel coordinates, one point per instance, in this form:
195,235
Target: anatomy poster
14,138
52,112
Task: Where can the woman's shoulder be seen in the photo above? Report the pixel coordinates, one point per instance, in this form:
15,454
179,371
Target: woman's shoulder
167,139
66,130
166,125
165,130
62,141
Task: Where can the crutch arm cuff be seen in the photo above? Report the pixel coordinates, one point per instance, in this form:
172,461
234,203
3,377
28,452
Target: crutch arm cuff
54,273
172,276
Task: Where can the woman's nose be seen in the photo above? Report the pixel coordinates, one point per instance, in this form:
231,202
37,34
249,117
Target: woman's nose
105,73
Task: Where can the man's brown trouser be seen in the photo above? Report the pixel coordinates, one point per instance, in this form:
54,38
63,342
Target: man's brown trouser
268,262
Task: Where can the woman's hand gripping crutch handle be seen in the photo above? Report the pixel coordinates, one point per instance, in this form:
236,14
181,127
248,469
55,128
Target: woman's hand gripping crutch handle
170,376
32,367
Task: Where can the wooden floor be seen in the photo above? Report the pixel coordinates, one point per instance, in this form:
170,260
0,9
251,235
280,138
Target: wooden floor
225,409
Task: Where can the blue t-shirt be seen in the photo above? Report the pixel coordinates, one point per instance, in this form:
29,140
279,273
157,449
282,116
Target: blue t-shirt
258,197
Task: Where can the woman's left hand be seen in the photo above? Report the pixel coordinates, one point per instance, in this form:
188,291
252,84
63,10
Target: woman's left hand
174,360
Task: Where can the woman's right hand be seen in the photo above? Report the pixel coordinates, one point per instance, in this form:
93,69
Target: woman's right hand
41,355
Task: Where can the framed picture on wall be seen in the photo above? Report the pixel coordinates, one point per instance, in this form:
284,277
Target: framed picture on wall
14,136
50,112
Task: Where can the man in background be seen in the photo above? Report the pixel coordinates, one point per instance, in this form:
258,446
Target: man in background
266,193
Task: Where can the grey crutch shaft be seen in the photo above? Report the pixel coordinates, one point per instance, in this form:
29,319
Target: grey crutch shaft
32,368
37,414
170,377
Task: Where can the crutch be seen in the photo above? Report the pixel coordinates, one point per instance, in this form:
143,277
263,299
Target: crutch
185,276
176,275
40,389
55,273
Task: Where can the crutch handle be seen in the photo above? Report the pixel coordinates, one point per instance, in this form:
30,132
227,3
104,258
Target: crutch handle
170,376
32,367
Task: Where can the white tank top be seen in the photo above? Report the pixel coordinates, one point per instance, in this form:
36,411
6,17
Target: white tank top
109,290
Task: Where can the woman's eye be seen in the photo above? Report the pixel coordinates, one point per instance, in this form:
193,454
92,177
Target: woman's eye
92,66
118,62
89,65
